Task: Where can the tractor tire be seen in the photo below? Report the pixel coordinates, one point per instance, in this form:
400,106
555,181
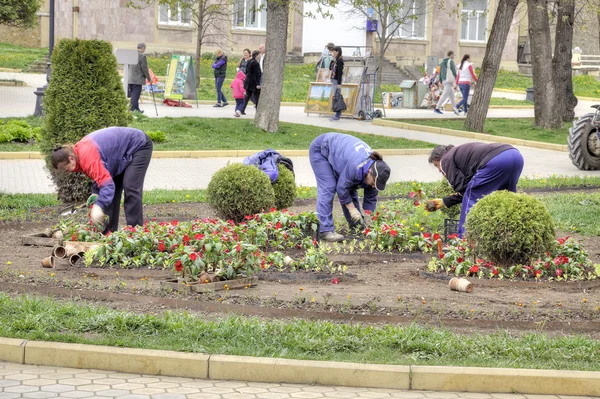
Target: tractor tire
584,144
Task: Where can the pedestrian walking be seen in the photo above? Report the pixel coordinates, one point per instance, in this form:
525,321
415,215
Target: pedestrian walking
448,79
252,82
244,61
116,159
138,74
220,67
475,170
342,164
337,73
237,87
466,74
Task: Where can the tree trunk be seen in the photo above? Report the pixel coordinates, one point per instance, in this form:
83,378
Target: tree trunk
380,59
545,109
561,64
490,65
267,114
199,39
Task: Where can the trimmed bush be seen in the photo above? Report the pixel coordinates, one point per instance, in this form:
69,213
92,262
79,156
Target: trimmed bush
85,94
17,130
443,189
285,188
238,190
157,136
509,228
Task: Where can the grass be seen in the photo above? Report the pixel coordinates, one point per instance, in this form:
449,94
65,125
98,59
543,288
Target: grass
583,85
18,57
575,212
518,128
499,101
36,318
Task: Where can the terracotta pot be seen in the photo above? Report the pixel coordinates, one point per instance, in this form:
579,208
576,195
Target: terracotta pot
204,278
461,285
48,262
287,261
73,259
59,252
439,248
72,249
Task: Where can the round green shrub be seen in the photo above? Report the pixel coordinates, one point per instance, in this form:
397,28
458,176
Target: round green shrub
238,190
443,189
285,188
509,228
85,94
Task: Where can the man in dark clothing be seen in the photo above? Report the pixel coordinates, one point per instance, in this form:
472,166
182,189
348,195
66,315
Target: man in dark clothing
252,82
475,170
138,74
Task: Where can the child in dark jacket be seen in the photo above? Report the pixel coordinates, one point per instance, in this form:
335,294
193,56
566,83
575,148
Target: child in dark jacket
237,87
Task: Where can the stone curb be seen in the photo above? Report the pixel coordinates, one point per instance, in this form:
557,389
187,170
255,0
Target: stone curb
472,135
256,369
223,153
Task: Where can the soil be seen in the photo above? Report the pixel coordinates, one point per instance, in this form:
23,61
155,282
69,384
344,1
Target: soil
378,288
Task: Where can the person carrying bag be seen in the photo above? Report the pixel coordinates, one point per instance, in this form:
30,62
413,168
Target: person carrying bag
338,105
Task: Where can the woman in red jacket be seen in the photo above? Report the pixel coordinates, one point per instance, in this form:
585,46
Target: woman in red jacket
117,159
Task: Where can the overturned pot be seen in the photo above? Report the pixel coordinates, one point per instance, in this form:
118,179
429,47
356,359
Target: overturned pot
461,285
73,259
48,262
59,252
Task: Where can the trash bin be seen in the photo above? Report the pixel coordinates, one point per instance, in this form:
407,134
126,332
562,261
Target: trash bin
412,93
529,96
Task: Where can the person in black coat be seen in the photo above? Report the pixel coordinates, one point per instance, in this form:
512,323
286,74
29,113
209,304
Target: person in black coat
475,170
252,82
337,72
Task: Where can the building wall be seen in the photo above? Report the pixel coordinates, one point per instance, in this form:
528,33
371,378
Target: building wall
36,36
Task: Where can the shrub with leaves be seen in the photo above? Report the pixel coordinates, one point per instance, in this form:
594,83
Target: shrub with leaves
443,189
238,190
17,130
157,136
84,94
509,228
285,188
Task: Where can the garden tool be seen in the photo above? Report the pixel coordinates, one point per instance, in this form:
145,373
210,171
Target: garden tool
71,209
153,99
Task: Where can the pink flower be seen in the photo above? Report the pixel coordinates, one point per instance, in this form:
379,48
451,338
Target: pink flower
393,233
559,272
198,236
335,281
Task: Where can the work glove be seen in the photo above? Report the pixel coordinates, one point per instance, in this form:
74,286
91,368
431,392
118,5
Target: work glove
355,215
434,204
367,219
97,216
91,200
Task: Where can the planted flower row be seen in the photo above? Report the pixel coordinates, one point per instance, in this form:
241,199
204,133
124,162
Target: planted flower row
567,261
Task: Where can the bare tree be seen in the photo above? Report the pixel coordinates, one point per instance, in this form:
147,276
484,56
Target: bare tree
211,18
491,64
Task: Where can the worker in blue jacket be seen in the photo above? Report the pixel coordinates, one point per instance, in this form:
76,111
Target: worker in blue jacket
342,164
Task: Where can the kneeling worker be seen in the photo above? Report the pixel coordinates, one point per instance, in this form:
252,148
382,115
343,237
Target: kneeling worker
342,164
117,159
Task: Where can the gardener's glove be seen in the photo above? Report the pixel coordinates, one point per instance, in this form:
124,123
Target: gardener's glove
92,199
434,205
97,216
355,215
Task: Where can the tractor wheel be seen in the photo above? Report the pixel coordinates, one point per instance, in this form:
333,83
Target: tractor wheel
584,144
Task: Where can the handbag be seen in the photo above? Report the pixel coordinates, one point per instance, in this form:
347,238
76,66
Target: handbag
338,104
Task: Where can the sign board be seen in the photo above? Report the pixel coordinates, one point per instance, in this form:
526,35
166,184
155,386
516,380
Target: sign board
181,81
407,84
126,57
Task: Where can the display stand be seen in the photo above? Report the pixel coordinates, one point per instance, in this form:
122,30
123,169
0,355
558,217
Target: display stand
181,79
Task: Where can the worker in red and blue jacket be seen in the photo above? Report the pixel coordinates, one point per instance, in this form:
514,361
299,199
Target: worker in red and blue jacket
342,164
117,159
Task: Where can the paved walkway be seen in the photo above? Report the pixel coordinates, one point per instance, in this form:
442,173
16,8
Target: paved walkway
29,176
38,382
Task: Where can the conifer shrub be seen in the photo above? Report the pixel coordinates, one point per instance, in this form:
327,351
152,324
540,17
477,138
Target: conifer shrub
509,228
285,188
238,190
85,94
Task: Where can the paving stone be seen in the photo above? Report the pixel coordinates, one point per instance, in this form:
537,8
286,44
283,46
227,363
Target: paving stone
76,394
21,389
162,385
168,396
9,383
341,395
75,381
40,395
128,386
200,384
219,390
506,396
265,385
93,387
6,395
272,395
90,376
373,395
230,384
318,388
472,395
408,395
39,382
58,388
60,376
253,390
238,395
21,377
134,397
307,395
111,393
204,396
110,381
540,396
124,376
147,391
143,380
177,380
182,390
282,389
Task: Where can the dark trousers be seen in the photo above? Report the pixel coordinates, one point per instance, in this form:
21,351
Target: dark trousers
219,86
501,173
132,181
239,104
253,95
464,89
135,91
334,89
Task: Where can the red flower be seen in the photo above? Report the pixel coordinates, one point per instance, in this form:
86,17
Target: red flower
427,235
278,225
198,236
436,236
393,233
368,212
273,209
161,246
186,239
174,222
74,237
452,236
474,269
461,260
442,255
537,273
494,271
193,256
412,194
178,266
367,231
238,247
335,281
559,272
248,217
416,203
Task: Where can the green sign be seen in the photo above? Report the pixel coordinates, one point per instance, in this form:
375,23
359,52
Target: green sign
181,81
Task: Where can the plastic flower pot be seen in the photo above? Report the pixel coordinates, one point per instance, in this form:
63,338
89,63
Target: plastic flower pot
461,285
48,262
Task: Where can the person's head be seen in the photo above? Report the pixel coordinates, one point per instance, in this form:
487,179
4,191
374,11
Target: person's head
450,54
63,158
219,53
255,53
436,155
261,49
336,51
379,172
330,46
247,53
141,47
465,57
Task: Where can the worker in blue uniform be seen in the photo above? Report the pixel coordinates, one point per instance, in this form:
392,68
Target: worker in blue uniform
342,164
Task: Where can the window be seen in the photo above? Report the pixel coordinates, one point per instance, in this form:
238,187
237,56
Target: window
174,14
249,14
413,14
474,21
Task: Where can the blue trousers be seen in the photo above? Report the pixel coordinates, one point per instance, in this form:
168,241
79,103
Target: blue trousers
501,173
326,188
464,89
219,86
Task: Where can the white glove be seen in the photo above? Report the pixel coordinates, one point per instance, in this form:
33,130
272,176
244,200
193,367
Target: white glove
97,215
355,215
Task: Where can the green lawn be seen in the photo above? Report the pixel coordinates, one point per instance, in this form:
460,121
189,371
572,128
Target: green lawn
17,57
518,128
37,318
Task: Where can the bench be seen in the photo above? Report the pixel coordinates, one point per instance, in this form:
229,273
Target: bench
585,63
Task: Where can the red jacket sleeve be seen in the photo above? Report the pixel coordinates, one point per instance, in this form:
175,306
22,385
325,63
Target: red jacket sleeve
91,164
472,72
